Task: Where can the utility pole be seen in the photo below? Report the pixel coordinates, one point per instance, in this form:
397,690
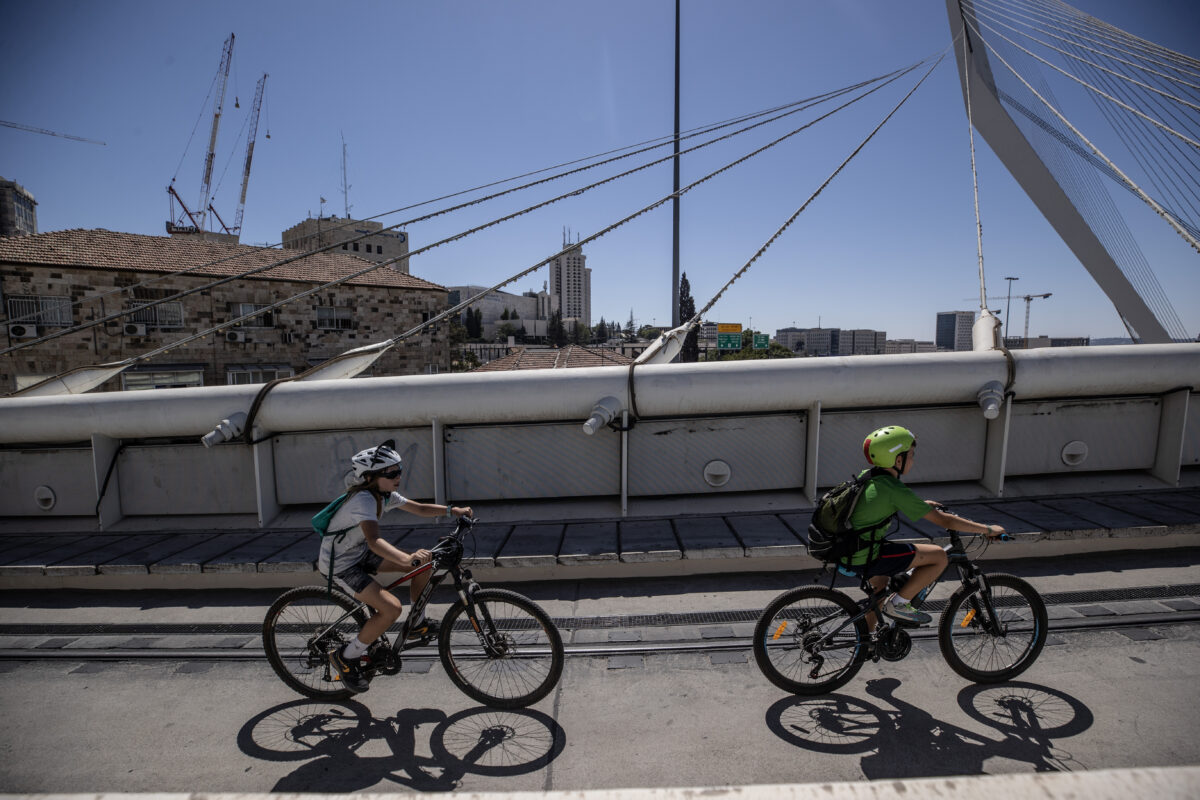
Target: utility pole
675,321
1008,308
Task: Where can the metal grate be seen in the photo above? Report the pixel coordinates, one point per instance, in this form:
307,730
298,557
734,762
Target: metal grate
576,623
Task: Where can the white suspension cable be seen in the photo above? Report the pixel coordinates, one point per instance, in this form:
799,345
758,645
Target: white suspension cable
1137,189
974,177
1128,108
1074,57
699,314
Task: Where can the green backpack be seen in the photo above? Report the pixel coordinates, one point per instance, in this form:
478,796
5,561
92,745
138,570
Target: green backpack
831,537
320,524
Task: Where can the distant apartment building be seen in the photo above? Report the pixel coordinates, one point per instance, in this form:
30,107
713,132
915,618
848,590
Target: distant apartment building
791,338
1021,343
571,285
832,341
530,310
371,241
953,330
50,283
18,210
862,342
909,346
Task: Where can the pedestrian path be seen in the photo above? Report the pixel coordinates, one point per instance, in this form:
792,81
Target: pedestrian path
680,544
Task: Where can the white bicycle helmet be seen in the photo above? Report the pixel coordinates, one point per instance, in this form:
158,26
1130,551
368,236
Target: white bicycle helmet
375,459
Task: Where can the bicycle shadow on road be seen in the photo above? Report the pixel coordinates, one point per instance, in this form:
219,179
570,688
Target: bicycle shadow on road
909,742
345,749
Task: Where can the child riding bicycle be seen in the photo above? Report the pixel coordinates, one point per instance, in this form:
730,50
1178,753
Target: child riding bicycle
890,451
358,552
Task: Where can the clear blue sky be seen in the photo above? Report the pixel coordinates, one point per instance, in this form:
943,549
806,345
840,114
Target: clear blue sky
435,97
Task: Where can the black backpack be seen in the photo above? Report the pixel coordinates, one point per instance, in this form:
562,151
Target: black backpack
831,537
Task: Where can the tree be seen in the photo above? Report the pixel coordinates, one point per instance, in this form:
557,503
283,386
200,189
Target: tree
505,330
687,309
629,326
580,333
601,333
555,332
504,314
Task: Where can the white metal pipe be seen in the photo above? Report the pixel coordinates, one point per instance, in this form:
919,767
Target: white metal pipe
662,390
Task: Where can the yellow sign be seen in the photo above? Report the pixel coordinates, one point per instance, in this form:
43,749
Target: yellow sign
729,327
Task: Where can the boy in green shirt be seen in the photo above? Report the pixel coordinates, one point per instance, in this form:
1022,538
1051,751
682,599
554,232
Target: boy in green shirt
890,451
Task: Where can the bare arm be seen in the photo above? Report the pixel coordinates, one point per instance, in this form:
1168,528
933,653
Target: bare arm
956,523
388,551
435,510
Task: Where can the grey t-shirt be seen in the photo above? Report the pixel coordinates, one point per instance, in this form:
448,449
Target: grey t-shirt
350,547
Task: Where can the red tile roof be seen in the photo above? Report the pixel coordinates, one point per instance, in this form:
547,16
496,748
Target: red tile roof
102,249
568,357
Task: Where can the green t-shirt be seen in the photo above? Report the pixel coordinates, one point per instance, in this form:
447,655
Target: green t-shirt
883,497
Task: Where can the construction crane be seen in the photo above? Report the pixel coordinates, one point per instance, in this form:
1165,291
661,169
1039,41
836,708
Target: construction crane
32,129
1029,298
197,219
250,137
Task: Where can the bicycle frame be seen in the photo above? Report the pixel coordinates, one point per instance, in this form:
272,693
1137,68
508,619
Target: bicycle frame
970,574
448,551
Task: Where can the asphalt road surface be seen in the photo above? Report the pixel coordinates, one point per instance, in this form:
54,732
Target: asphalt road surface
1095,699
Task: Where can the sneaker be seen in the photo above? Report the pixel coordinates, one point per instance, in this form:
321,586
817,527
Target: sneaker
349,671
425,629
905,613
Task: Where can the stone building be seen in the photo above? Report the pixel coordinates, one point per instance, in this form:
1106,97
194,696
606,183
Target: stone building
363,238
55,281
18,210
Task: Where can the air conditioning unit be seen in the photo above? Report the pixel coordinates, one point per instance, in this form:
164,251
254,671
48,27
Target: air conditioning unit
21,330
235,336
135,329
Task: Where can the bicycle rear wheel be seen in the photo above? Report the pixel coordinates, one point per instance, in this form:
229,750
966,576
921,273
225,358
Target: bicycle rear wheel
989,649
805,643
508,655
299,633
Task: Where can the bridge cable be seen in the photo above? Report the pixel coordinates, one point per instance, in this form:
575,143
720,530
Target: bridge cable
1145,198
303,254
742,271
248,425
663,141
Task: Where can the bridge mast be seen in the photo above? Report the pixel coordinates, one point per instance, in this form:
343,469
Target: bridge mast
1017,154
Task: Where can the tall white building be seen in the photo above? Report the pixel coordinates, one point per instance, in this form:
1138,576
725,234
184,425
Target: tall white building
954,330
571,285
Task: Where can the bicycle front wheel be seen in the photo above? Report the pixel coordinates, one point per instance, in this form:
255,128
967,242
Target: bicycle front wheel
502,650
991,647
806,643
300,630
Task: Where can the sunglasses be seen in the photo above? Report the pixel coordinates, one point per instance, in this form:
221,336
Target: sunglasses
391,476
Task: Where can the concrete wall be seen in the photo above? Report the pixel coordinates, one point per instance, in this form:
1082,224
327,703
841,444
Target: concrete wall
715,430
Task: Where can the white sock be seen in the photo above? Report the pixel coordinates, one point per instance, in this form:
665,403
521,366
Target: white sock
898,601
354,649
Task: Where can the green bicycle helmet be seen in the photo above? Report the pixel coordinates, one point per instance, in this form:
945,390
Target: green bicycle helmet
884,446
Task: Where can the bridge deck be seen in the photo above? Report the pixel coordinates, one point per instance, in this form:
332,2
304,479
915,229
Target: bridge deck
577,549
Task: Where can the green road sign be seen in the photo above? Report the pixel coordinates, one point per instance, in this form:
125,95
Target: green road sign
761,341
729,341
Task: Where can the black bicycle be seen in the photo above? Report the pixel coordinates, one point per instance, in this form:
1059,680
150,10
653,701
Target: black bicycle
814,639
499,647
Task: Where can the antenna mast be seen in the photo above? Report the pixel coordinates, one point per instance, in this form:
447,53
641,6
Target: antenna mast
345,186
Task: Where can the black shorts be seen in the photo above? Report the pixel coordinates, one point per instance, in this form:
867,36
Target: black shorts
894,558
357,576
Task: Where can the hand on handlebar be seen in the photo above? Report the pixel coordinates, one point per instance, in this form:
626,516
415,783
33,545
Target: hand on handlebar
420,557
995,532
